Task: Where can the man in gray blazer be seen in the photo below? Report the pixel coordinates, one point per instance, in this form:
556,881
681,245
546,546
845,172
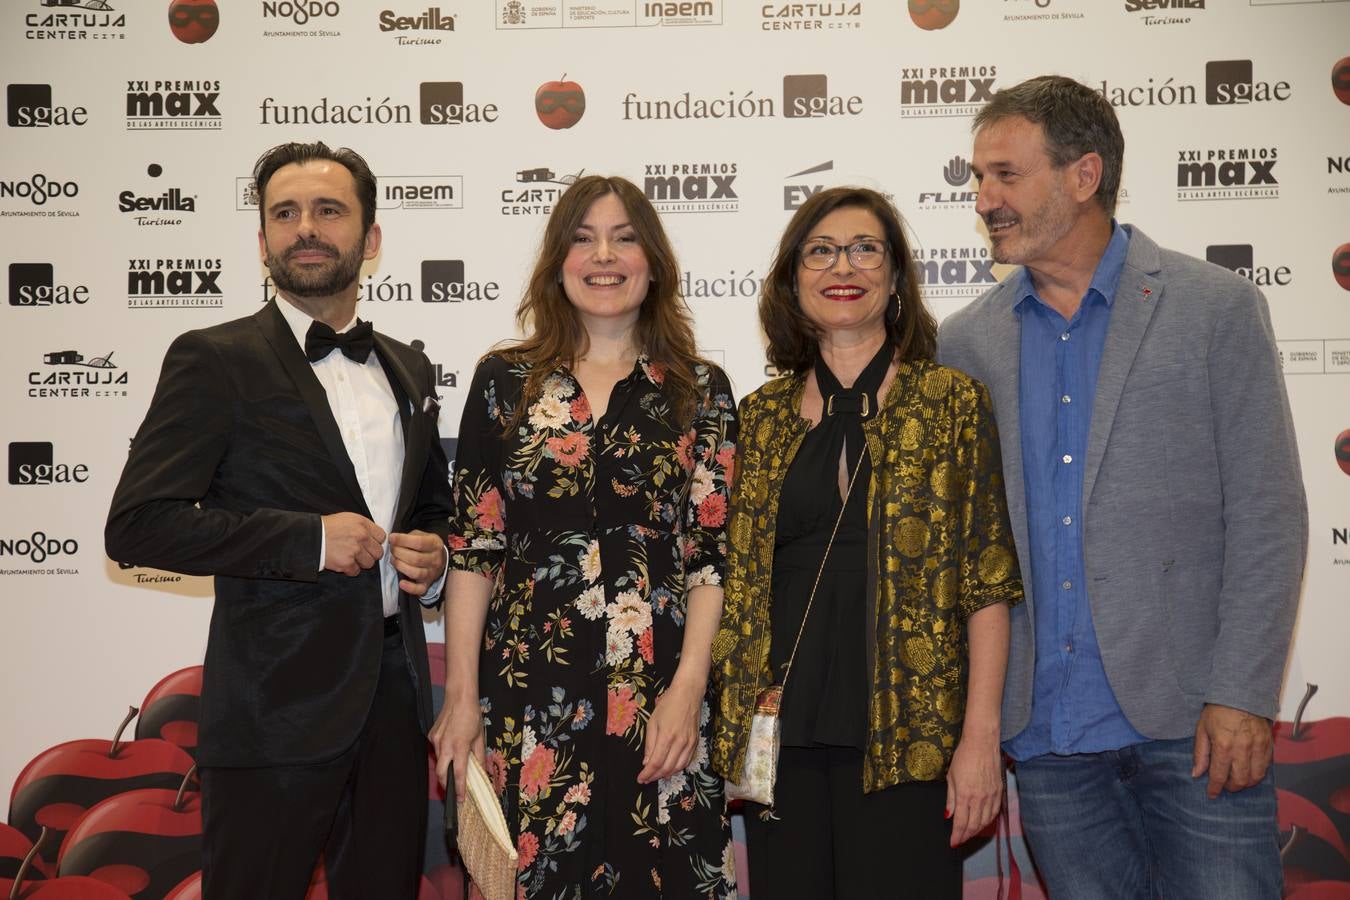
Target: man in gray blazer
1155,496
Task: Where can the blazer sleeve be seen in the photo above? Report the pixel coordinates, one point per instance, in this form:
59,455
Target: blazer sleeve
432,510
1265,511
155,518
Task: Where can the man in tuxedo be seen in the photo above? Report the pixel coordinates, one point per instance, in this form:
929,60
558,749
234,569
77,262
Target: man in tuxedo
1155,498
294,455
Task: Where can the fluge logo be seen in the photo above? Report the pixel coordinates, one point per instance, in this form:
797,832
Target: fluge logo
930,15
560,104
194,21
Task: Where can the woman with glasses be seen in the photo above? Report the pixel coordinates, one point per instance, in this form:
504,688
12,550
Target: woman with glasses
869,575
587,552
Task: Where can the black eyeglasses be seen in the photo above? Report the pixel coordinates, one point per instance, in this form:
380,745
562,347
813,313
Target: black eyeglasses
865,254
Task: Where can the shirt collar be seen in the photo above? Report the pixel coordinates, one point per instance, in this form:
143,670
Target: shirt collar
1105,278
299,320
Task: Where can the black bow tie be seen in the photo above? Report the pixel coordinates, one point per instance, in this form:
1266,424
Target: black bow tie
355,344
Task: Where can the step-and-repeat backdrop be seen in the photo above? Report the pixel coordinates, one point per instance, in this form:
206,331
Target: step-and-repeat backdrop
127,216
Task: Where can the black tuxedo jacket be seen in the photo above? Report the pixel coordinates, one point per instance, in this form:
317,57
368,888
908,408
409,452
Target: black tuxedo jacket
238,457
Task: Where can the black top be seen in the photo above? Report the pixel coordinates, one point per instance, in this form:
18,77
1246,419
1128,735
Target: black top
825,695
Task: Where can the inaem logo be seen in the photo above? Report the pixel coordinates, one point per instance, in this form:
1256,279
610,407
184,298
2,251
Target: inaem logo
1340,79
33,463
30,106
1343,451
194,21
1340,265
931,15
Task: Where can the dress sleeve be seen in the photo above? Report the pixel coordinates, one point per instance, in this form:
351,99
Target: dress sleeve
477,537
989,570
714,453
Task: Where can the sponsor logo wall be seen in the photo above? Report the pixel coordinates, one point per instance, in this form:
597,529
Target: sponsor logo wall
128,215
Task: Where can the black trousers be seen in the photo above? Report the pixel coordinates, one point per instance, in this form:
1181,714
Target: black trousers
831,840
365,812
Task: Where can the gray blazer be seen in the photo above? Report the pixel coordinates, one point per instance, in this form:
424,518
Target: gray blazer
1194,518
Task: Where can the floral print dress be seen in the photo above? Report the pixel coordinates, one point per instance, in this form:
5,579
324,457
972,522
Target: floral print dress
593,532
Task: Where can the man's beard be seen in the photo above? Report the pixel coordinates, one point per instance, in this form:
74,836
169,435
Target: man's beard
316,281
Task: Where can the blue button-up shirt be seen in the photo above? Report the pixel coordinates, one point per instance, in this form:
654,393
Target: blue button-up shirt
1073,709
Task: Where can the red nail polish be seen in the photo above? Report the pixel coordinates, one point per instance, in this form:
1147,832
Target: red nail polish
946,814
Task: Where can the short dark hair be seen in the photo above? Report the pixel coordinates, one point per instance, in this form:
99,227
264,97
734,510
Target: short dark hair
295,152
1076,120
793,338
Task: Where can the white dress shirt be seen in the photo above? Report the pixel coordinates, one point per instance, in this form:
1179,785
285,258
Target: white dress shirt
366,410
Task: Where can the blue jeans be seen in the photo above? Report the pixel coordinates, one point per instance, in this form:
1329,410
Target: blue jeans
1133,824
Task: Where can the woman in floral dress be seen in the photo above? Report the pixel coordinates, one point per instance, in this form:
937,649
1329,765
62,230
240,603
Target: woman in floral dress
587,551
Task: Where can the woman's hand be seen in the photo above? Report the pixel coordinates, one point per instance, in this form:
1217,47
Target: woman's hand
974,786
458,731
672,729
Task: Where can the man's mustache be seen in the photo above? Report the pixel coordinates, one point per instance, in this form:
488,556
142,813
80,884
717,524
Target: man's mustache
304,246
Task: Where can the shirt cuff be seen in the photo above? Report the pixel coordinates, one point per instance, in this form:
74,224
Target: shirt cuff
323,544
433,594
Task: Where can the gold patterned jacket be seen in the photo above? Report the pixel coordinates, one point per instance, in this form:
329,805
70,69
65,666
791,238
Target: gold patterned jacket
938,543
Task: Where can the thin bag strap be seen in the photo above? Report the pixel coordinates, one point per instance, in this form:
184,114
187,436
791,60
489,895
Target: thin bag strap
821,571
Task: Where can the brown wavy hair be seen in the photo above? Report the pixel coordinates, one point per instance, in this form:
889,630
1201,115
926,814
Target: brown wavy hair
554,333
793,338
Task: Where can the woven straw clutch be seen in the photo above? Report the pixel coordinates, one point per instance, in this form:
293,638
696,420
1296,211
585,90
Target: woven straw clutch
484,840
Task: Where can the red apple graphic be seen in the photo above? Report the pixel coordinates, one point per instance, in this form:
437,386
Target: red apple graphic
560,104
1307,861
1343,451
193,21
1340,79
931,15
190,888
1318,890
1340,265
28,883
171,709
15,849
144,842
1312,774
56,788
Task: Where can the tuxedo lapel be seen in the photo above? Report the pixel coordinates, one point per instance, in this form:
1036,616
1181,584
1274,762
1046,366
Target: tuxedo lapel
1137,297
414,419
278,334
